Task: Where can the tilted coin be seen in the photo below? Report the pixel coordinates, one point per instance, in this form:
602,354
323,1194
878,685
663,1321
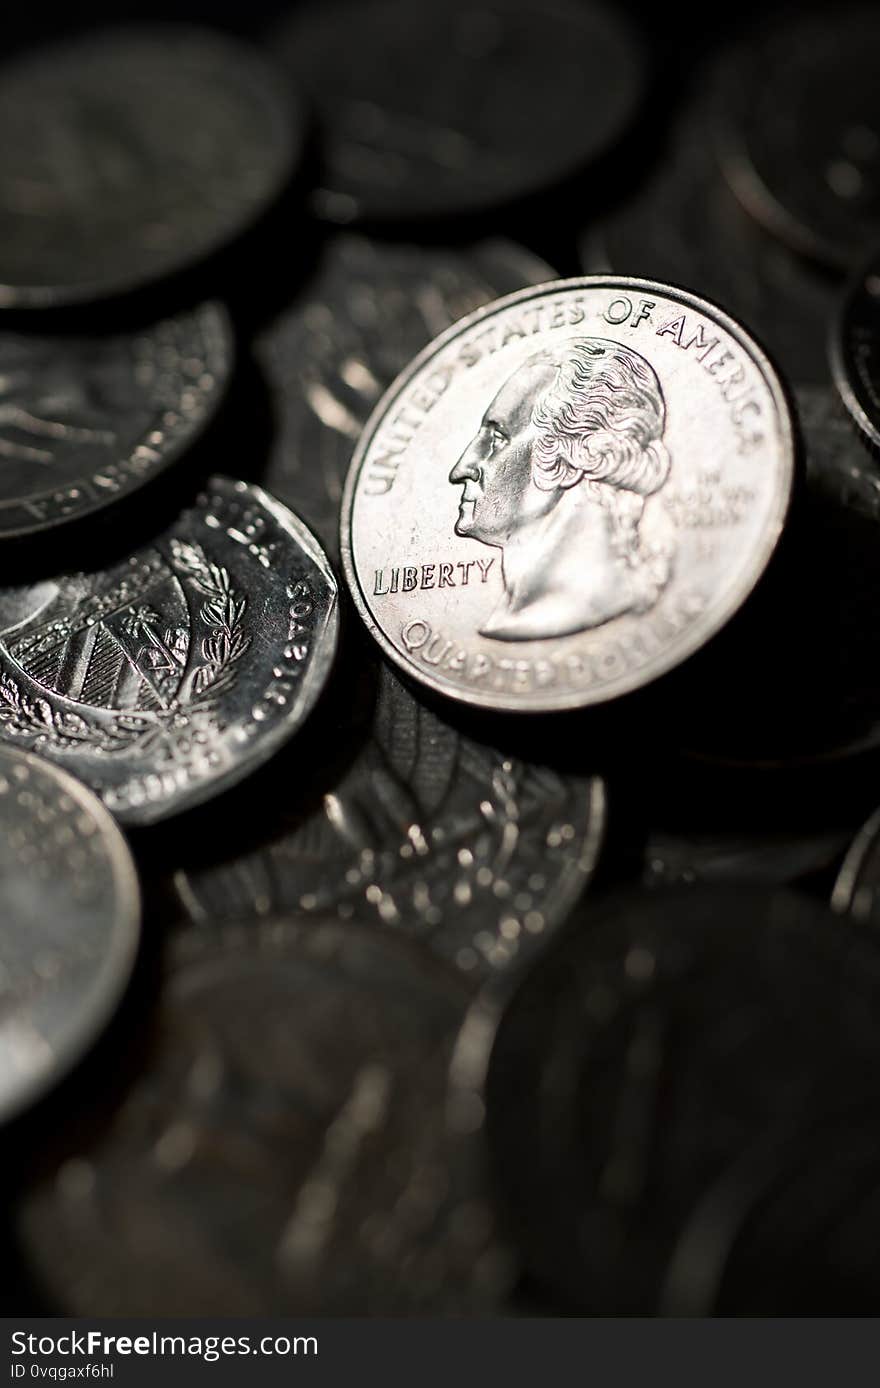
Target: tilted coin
284,1148
445,108
130,154
657,1040
684,226
769,857
85,420
839,468
789,1229
798,132
857,889
68,924
327,359
855,350
567,493
477,852
171,674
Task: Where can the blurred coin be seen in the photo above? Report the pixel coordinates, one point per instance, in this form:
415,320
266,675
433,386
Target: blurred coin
370,307
790,1229
85,420
438,835
856,888
130,154
661,1037
840,470
567,493
440,109
68,924
686,227
799,133
170,675
284,1148
855,350
769,857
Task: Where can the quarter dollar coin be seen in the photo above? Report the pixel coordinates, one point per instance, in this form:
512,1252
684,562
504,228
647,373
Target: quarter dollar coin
567,493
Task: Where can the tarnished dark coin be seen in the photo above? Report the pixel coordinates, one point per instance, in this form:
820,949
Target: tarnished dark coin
170,675
855,351
857,889
772,858
285,1147
369,308
567,493
791,1228
130,154
442,109
798,132
686,227
69,915
659,1039
85,420
479,853
840,470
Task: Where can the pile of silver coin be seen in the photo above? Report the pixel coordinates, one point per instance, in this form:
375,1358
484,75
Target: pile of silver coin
440,664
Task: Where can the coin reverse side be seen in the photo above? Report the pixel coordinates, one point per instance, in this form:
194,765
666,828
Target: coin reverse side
68,927
171,674
567,493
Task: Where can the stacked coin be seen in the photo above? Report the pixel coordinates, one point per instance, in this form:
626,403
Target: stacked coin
438,691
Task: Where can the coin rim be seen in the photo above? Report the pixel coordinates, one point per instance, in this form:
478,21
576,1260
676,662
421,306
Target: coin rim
374,210
838,345
227,349
846,884
278,95
541,703
124,942
319,667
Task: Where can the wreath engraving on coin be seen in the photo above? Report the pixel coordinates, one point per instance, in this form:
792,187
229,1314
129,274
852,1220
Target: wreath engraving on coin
622,458
146,679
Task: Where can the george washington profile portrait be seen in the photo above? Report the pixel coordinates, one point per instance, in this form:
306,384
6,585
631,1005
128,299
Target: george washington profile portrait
557,477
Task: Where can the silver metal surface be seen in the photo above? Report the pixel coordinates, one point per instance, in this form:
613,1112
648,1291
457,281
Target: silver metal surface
172,674
86,420
68,924
284,1148
129,154
478,853
330,356
567,493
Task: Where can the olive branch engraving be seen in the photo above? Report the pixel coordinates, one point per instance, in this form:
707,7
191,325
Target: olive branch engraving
37,720
43,725
222,613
